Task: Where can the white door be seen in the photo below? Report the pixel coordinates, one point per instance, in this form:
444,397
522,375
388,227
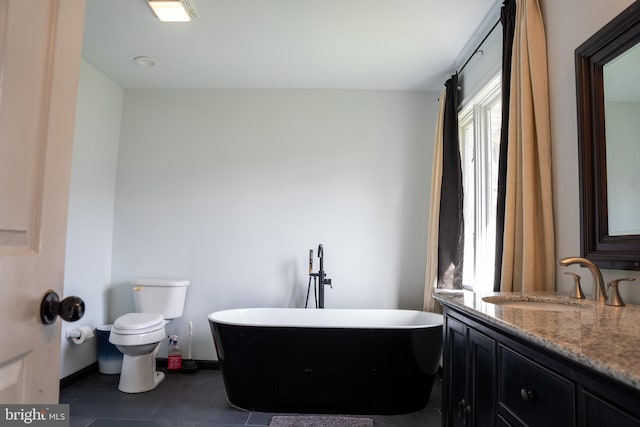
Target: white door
40,45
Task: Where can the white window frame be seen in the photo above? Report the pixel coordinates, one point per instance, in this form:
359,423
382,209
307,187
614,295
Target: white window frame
479,171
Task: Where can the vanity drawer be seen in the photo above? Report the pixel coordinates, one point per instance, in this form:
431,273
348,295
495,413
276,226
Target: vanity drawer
532,393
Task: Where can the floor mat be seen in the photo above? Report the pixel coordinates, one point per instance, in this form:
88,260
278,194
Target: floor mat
319,421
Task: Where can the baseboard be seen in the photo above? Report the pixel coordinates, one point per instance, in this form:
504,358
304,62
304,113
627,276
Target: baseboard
78,375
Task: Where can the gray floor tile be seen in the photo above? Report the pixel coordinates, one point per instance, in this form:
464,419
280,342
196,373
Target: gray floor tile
192,400
78,421
104,422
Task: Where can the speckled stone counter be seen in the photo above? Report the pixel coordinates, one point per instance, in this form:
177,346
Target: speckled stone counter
604,338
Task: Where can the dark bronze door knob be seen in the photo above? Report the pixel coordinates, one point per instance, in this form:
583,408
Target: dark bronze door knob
69,309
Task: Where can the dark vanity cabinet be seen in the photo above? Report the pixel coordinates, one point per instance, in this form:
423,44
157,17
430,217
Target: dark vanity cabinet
494,378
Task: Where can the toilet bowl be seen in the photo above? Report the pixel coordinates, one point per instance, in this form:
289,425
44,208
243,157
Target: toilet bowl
138,335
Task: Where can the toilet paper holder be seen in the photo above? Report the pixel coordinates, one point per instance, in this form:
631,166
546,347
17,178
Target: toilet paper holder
74,333
80,334
69,309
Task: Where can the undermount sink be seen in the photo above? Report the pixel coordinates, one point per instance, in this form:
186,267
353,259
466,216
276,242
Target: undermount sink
534,302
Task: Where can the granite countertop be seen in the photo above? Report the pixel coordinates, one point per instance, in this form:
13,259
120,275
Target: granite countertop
604,338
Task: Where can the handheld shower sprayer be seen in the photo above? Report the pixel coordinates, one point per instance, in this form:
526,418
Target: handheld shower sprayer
319,279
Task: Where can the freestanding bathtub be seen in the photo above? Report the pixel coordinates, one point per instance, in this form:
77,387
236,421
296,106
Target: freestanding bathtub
348,361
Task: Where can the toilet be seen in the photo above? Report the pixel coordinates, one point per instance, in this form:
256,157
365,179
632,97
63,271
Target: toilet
138,335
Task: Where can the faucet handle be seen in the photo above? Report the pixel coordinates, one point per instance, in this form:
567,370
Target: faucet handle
577,289
615,299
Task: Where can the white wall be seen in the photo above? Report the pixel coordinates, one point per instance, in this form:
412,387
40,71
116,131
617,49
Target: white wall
230,189
586,17
91,201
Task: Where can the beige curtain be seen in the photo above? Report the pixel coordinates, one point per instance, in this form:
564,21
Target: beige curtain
528,262
431,276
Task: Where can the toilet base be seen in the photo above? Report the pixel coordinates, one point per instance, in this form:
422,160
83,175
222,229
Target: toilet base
139,373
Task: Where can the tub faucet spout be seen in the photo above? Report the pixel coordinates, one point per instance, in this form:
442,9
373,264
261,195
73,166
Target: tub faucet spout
599,291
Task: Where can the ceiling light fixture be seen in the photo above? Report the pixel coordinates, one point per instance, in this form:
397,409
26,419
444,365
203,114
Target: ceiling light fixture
145,61
173,10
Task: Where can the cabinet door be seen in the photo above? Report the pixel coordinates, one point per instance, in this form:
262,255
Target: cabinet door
482,379
470,375
599,413
455,373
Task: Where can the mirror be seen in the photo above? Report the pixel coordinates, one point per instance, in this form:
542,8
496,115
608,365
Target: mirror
608,97
622,127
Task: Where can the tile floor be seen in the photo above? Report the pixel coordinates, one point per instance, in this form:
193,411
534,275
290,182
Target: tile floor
191,400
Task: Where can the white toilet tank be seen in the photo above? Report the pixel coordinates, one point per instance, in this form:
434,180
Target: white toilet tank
163,296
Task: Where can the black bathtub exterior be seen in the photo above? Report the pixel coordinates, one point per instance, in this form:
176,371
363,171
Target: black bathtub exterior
328,370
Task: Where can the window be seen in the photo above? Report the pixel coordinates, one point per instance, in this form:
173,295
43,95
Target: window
479,123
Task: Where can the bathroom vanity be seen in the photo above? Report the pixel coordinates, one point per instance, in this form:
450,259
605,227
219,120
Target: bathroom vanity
539,359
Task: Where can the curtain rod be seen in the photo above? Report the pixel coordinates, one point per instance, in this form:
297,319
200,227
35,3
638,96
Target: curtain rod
477,49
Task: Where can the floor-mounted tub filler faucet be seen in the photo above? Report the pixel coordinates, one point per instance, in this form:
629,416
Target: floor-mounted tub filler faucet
600,292
319,279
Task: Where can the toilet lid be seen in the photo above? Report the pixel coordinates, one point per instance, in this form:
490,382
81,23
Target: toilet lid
138,323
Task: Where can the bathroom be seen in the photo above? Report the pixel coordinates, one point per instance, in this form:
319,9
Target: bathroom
231,188
176,183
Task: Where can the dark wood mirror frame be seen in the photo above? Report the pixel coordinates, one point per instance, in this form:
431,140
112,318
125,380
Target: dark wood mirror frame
606,251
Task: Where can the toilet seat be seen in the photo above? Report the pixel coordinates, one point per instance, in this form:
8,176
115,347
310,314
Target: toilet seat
138,323
138,329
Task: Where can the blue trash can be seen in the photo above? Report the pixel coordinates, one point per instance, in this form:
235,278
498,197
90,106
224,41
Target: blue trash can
109,357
